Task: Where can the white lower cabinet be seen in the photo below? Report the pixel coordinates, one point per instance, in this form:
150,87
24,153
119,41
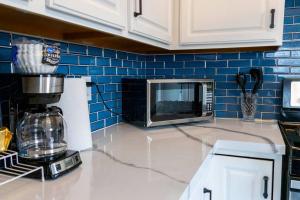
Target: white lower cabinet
237,178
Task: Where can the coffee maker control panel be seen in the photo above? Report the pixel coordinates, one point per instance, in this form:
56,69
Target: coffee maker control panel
67,163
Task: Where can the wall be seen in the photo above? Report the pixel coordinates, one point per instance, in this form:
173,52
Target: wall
107,67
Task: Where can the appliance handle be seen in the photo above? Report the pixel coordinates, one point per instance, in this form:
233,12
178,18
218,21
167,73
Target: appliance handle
205,190
272,25
265,194
140,12
204,98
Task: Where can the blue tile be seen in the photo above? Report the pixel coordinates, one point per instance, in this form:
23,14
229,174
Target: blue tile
266,93
248,55
239,63
233,107
168,58
174,64
278,54
86,60
116,79
226,114
5,54
227,56
94,70
121,55
62,69
226,85
94,51
262,62
93,117
97,125
292,11
234,93
103,61
288,20
270,116
164,72
79,70
122,71
136,64
272,101
289,3
297,3
150,72
127,63
295,70
75,48
269,78
184,57
195,64
279,70
205,71
220,106
109,53
216,64
104,114
296,36
232,100
287,36
116,63
110,88
265,108
103,79
291,28
212,56
297,19
132,56
189,71
110,70
218,77
220,92
295,54
291,44
289,62
111,121
69,59
149,58
227,70
4,39
274,86
5,67
132,71
154,64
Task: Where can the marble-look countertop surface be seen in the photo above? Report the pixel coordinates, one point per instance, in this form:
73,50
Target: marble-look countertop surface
132,163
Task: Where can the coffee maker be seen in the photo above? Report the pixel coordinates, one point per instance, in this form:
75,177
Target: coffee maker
40,128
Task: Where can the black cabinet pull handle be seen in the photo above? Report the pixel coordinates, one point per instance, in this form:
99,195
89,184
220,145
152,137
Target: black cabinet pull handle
205,190
140,9
272,25
265,194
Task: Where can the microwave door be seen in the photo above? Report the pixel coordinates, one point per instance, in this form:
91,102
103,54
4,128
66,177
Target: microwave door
173,101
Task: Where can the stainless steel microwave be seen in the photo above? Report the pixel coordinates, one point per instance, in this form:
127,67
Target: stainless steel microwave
155,102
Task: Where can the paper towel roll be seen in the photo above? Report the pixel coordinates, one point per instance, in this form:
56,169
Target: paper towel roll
74,104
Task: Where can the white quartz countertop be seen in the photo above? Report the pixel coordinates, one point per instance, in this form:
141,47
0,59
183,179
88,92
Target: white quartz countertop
132,163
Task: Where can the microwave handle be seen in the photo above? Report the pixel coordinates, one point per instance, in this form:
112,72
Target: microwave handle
204,99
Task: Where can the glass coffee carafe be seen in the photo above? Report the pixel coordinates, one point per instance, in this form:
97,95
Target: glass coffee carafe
41,134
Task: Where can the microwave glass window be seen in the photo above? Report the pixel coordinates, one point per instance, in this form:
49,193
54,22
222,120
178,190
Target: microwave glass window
170,101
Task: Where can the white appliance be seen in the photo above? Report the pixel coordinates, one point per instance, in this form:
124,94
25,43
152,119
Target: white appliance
74,104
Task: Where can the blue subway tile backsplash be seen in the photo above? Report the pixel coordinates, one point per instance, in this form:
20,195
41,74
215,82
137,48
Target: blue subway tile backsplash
107,67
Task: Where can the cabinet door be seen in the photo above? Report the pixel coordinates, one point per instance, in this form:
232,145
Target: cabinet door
154,20
234,178
108,12
223,22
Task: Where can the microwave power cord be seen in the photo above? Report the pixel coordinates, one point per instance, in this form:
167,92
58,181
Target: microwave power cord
102,99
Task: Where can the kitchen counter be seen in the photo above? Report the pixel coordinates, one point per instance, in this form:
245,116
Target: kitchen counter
131,163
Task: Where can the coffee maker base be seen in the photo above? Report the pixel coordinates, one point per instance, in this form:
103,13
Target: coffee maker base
57,167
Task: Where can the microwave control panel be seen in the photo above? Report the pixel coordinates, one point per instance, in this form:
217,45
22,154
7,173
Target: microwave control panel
209,98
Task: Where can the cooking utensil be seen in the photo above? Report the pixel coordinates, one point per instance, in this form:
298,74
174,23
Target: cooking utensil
257,74
241,79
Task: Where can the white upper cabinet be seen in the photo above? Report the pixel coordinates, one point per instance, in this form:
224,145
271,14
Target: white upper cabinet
108,12
152,19
234,178
231,23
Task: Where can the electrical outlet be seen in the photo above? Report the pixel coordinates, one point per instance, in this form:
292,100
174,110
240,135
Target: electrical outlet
88,79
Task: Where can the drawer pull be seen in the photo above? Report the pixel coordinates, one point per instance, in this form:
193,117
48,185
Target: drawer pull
136,14
272,25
